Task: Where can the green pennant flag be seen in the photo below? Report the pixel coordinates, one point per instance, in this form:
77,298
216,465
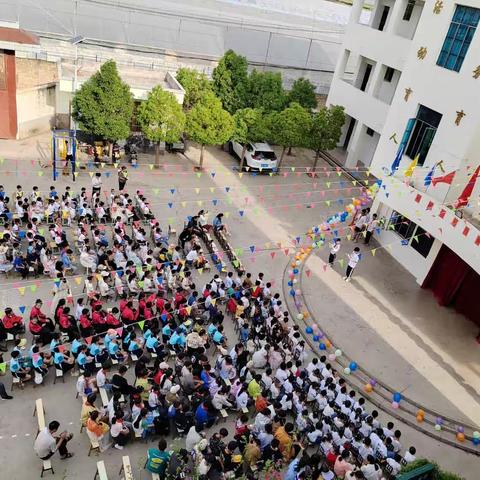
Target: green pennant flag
328,184
327,202
3,367
141,324
33,288
141,283
341,262
236,263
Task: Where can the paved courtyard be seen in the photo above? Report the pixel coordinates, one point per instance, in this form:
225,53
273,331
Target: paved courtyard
382,319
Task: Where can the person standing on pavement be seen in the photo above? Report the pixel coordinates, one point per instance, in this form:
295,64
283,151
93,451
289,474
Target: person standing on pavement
353,259
334,249
96,184
360,225
372,225
122,177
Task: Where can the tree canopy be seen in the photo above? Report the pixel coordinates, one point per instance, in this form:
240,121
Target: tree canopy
265,91
195,84
208,123
303,92
249,126
326,129
290,127
229,81
103,105
161,118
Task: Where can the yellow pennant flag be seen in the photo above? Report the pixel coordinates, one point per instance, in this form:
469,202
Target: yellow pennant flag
374,251
184,204
212,189
197,190
78,280
227,214
409,171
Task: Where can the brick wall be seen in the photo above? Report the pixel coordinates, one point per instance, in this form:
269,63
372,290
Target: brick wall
32,73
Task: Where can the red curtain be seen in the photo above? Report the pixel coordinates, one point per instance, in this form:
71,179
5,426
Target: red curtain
454,283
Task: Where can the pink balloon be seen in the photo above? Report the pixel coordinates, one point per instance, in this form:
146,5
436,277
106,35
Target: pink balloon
315,327
291,276
395,405
298,292
332,357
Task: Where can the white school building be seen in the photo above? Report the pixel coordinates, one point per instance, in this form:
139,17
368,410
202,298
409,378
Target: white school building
415,94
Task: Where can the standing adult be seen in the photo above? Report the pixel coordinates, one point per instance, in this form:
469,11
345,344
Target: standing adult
334,249
47,443
353,259
96,184
122,177
371,227
157,459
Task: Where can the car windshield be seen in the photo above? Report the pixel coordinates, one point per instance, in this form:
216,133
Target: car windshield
265,155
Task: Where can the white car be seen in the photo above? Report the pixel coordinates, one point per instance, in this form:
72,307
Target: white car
258,156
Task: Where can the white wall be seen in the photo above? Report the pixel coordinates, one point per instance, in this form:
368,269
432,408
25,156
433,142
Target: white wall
384,90
366,147
35,110
408,28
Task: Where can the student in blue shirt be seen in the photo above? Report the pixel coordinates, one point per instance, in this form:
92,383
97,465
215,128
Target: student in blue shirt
218,337
61,361
97,351
76,344
177,338
17,370
114,350
135,345
166,333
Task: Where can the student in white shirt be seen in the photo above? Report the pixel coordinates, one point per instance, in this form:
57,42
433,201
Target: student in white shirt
334,249
372,225
360,225
353,259
46,444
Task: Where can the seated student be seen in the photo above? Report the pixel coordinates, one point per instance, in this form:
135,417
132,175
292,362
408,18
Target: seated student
12,323
46,443
119,431
38,364
98,429
62,359
67,323
40,324
97,350
16,368
114,350
158,459
86,363
135,345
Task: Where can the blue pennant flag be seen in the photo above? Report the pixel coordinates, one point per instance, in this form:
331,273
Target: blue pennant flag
252,248
213,174
241,212
427,181
214,201
227,189
170,205
22,309
172,191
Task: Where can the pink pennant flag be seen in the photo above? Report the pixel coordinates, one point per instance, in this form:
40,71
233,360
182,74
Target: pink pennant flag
308,272
309,194
325,268
285,174
272,254
89,340
119,331
286,251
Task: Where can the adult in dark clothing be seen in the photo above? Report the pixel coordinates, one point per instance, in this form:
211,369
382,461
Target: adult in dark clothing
120,383
185,236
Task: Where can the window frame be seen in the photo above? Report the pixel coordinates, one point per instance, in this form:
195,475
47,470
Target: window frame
407,14
388,76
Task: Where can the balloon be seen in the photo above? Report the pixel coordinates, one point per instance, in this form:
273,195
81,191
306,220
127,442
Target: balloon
293,265
460,429
419,418
348,209
305,314
295,271
421,413
438,427
332,357
368,387
309,330
460,437
328,343
338,353
299,316
291,276
351,206
397,397
356,202
372,382
476,434
322,346
439,421
476,441
353,366
395,405
298,292
298,262
292,293
346,370
297,257
289,283
294,281
316,338
315,327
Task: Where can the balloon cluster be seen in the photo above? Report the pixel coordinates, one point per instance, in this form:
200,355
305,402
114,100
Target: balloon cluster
334,221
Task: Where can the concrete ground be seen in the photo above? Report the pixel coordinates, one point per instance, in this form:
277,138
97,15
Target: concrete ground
381,318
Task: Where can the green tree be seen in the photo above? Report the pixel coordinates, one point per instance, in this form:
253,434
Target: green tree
161,119
195,84
303,92
208,123
229,81
326,130
250,127
290,128
265,91
103,105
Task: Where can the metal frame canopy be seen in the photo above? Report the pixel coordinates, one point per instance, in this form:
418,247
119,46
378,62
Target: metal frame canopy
59,151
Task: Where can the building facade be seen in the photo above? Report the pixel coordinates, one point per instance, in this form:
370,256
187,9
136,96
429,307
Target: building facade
413,121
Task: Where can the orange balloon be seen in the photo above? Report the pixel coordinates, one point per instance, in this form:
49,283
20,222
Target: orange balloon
297,257
293,264
460,437
328,344
305,314
421,413
419,418
368,388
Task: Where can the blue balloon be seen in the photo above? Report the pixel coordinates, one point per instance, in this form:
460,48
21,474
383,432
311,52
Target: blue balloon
397,397
353,366
316,338
309,330
476,441
322,346
290,283
292,292
295,271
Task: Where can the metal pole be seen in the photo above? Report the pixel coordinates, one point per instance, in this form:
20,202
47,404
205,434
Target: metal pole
308,53
268,50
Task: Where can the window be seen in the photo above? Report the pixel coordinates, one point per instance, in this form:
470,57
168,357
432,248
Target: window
366,77
459,36
423,132
412,234
407,15
383,18
388,74
369,132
